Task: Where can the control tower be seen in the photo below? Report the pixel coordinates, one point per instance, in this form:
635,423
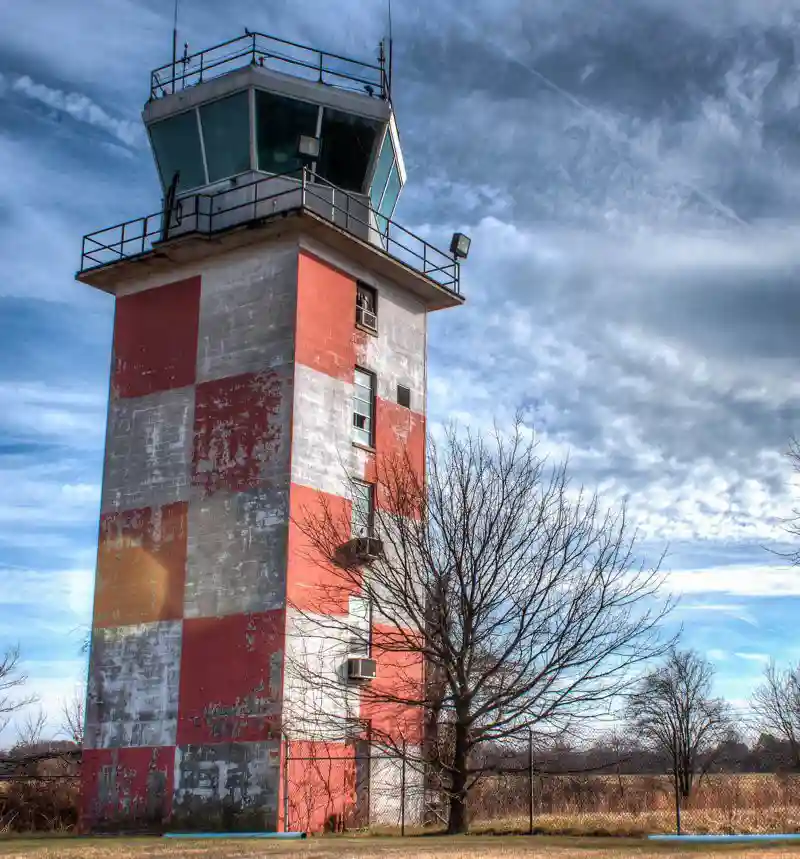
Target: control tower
269,347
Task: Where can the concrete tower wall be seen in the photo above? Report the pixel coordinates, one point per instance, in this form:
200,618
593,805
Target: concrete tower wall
230,411
187,654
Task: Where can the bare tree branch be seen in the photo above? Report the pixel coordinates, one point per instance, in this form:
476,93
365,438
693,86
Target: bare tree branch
502,600
672,711
12,680
73,717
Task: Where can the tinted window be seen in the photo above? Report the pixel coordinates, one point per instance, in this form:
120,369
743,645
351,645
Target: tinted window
176,143
226,136
279,123
392,193
381,172
347,143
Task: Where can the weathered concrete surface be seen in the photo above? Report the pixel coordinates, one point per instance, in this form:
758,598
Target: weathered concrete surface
230,786
155,339
127,787
230,685
241,431
237,552
247,314
133,686
148,451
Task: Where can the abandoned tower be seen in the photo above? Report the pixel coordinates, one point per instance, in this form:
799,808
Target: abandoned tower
269,345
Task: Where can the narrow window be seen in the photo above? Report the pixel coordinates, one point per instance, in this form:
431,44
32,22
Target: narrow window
360,626
366,307
404,396
363,407
363,509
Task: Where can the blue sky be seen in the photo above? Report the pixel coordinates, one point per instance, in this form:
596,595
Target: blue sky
629,174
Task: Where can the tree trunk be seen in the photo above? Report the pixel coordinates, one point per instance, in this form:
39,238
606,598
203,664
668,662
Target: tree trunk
457,822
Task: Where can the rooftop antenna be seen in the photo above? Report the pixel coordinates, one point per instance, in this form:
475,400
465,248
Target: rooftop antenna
390,49
174,44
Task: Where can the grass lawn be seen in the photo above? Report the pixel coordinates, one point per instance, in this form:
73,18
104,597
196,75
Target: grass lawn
422,847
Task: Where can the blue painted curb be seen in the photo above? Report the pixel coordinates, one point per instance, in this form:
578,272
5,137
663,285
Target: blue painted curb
724,838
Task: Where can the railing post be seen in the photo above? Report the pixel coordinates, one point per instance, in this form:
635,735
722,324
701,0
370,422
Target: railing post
333,205
122,243
286,785
321,61
530,781
254,49
303,188
403,792
424,257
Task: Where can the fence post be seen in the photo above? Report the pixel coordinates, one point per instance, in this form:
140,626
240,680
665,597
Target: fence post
286,784
530,781
403,792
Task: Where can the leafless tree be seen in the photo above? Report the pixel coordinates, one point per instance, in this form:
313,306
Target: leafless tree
12,680
73,717
792,523
521,597
30,729
775,706
673,712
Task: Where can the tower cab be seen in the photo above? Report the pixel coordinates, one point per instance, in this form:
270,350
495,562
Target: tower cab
233,144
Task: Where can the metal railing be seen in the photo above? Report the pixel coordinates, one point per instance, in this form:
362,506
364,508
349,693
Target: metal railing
277,54
206,214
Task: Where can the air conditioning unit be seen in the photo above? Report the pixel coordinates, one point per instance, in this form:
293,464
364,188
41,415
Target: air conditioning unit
359,550
360,668
367,318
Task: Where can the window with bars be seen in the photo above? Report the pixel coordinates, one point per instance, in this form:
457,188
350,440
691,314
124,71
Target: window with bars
364,408
363,509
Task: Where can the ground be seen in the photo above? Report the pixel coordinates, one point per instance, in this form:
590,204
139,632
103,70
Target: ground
467,847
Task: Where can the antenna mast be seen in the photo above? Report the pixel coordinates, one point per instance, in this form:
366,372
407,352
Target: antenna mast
390,49
174,44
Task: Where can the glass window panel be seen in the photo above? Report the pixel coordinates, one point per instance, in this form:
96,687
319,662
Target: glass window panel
279,123
362,509
226,136
392,193
176,143
347,143
385,161
359,626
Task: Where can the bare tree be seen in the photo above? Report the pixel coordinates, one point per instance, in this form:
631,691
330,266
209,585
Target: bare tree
30,729
673,712
775,706
12,680
73,717
521,598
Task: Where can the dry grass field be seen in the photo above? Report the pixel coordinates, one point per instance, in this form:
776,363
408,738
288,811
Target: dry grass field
639,805
434,847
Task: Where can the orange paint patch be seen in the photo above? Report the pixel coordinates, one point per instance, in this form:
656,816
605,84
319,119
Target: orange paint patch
326,307
312,584
141,566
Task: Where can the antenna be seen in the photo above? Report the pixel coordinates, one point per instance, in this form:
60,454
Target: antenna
390,49
174,44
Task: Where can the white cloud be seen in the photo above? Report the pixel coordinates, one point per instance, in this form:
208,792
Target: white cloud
80,108
754,657
740,580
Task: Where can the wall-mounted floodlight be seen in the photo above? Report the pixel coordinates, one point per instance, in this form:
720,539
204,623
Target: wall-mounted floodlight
308,148
459,246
